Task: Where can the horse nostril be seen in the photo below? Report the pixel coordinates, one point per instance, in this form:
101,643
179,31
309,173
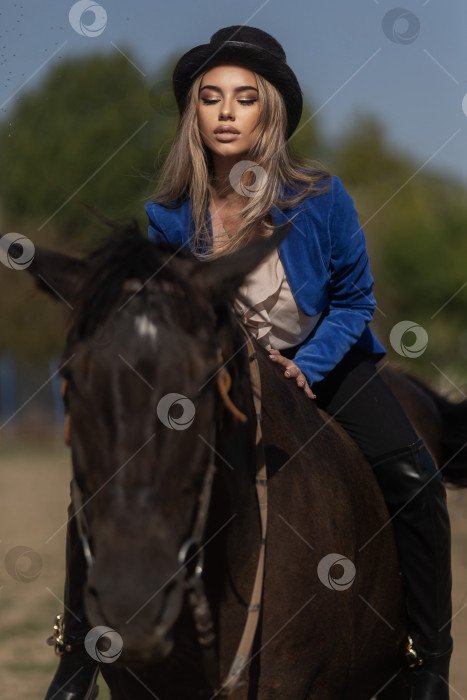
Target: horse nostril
93,597
93,592
169,588
168,607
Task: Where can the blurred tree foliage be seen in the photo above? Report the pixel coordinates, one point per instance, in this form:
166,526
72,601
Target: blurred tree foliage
97,131
415,224
92,122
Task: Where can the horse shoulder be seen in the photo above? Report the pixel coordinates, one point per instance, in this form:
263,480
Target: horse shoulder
324,505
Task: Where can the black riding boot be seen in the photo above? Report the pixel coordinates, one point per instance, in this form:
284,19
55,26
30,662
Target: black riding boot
416,499
75,678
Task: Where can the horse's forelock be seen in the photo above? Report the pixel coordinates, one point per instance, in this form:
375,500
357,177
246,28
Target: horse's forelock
128,267
129,264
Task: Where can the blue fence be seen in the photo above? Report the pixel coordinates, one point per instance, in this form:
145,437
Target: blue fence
30,397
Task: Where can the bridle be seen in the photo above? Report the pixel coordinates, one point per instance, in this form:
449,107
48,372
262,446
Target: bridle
191,553
197,596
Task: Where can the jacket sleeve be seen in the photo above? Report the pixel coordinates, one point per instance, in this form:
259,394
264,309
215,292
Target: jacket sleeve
155,232
351,301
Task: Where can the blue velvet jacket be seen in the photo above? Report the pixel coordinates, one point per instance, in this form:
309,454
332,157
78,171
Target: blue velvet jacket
327,267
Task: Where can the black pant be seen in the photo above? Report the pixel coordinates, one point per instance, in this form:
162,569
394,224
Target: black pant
358,398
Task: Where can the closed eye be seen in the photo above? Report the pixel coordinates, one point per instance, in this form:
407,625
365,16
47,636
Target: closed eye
212,102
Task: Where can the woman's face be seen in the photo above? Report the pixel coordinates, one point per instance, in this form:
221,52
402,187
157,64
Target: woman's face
228,99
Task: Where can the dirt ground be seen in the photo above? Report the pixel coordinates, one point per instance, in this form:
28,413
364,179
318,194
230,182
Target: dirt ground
34,481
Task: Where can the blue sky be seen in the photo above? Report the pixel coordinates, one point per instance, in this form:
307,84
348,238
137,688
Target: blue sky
408,65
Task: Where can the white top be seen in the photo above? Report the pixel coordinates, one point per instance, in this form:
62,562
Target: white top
272,315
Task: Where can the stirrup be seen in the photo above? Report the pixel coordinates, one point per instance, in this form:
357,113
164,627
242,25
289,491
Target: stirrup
411,655
57,639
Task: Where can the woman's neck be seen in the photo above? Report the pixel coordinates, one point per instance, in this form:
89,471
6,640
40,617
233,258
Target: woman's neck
220,184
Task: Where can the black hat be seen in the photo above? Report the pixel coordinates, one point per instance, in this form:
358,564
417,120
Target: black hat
249,47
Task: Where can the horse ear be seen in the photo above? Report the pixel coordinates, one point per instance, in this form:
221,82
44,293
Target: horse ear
57,274
221,278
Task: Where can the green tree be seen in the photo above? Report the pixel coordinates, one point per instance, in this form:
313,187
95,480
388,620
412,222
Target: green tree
94,130
89,132
415,223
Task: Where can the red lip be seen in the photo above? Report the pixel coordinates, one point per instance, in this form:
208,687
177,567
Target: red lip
226,130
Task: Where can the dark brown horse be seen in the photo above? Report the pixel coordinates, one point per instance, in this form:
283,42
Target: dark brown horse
148,322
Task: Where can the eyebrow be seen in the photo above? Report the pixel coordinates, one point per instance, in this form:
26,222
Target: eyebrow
237,89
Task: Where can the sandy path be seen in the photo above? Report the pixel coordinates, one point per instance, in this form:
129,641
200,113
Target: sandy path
33,500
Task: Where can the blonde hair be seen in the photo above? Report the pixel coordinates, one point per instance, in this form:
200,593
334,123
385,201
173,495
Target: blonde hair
188,168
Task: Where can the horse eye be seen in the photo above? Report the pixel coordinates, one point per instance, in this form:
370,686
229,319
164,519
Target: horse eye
67,375
70,380
66,383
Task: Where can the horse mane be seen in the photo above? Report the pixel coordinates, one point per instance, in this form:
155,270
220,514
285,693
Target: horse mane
126,255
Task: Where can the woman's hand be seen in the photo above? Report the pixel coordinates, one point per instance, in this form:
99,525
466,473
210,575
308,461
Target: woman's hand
292,371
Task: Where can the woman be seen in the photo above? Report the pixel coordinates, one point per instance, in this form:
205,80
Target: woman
230,177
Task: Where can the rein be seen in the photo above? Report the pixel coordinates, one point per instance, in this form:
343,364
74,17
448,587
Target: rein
198,600
192,551
233,680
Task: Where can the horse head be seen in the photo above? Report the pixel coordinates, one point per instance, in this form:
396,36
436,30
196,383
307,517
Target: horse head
140,364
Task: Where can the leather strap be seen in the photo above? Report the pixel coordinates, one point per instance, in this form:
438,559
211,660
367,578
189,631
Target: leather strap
233,680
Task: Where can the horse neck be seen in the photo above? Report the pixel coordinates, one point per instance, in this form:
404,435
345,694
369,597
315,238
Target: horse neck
234,507
236,463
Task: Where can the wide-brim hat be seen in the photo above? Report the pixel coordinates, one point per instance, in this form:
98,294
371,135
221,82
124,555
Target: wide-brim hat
252,48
